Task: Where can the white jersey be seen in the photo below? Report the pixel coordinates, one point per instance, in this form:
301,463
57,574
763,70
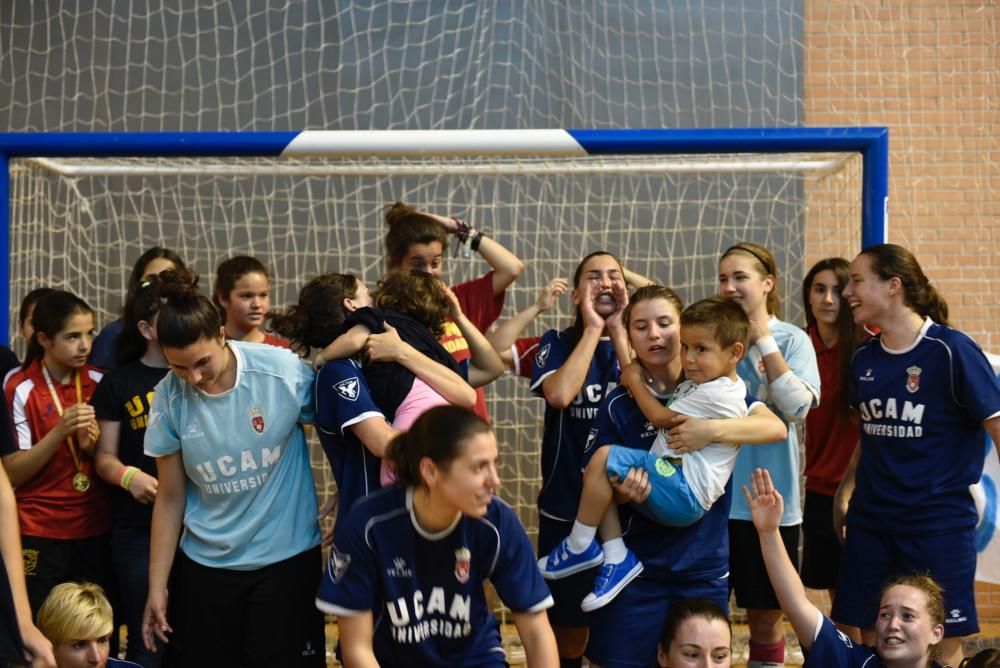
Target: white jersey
707,470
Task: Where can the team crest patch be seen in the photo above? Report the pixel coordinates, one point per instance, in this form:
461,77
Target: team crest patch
542,355
664,468
30,558
257,419
339,563
463,557
913,379
348,389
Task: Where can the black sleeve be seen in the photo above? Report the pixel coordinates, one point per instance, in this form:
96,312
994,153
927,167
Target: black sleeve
8,360
368,317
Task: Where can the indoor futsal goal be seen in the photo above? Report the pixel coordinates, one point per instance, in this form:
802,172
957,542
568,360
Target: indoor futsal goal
82,207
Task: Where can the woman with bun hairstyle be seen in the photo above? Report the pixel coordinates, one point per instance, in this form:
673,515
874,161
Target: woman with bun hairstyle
418,240
155,260
122,403
233,474
406,571
926,397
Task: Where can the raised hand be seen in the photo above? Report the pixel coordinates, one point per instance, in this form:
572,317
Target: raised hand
766,504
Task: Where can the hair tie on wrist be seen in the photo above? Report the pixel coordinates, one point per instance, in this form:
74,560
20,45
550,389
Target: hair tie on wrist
476,240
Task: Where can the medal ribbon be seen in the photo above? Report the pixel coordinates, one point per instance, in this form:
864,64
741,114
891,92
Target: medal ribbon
58,404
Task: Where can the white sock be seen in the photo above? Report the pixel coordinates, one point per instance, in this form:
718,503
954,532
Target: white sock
614,551
580,537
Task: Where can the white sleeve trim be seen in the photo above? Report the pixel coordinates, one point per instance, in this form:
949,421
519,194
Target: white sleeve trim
360,418
793,396
332,609
545,604
516,360
819,625
537,384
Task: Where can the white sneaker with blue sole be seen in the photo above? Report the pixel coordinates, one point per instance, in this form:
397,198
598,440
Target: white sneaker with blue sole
611,579
561,562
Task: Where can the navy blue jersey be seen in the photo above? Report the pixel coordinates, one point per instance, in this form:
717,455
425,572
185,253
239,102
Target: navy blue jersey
833,649
425,591
565,437
696,552
342,399
921,413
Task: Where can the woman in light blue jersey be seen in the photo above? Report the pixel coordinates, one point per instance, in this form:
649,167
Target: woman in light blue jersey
234,475
779,369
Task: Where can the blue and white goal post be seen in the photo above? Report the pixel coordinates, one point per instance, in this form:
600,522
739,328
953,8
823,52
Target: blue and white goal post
82,206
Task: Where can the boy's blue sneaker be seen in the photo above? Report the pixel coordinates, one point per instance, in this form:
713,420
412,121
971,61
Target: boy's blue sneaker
562,563
611,579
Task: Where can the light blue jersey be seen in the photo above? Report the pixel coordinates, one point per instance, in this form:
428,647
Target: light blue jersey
250,499
781,459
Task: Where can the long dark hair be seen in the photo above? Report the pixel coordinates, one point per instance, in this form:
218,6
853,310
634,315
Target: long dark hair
317,318
186,316
890,260
437,434
766,266
50,316
143,304
407,226
849,333
576,329
29,301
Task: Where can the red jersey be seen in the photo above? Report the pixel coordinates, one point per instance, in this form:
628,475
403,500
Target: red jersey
482,307
523,353
830,436
274,340
47,505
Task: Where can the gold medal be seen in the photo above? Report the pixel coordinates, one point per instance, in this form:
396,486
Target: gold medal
81,482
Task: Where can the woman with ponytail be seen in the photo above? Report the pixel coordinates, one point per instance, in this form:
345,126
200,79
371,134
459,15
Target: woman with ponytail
415,556
233,473
122,402
926,397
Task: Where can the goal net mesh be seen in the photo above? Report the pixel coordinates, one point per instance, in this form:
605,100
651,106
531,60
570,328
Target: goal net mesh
80,224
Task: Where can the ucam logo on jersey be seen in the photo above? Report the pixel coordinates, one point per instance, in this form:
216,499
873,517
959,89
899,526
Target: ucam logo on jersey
257,419
348,389
463,559
913,379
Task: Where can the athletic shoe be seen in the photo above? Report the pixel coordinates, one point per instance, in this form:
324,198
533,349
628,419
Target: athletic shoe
611,579
562,563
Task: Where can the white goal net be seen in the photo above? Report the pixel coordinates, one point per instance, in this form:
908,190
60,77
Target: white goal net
80,225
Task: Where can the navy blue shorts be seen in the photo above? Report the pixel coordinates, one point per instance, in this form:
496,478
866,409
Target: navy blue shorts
871,558
626,631
566,592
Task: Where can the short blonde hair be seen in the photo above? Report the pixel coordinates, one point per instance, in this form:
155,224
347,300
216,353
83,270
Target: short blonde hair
75,611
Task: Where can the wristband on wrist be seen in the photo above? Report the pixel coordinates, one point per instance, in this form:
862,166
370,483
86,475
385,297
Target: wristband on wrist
127,476
766,345
462,230
476,240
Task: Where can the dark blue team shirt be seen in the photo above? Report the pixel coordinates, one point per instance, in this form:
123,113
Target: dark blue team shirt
833,649
342,399
425,591
566,431
921,413
694,553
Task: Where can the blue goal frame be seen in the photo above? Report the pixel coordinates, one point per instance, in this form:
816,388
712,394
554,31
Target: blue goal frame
871,142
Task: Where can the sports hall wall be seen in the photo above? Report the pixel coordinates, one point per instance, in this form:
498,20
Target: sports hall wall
927,70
